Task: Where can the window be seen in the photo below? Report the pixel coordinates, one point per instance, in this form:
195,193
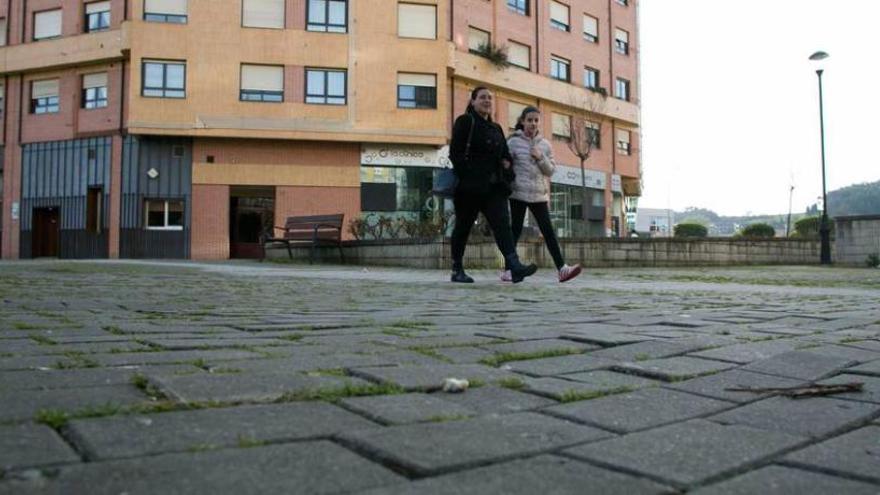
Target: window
519,55
561,126
2,95
172,11
621,41
621,89
623,2
94,205
164,79
326,86
416,90
2,31
417,21
97,16
560,68
591,28
44,96
559,16
519,6
267,14
591,78
262,83
94,92
477,39
163,214
330,16
47,24
514,110
594,134
623,146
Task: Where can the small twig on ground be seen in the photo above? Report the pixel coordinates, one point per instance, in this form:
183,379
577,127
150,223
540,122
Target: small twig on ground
811,390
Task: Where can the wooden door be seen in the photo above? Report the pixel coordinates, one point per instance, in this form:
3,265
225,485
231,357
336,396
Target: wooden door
45,230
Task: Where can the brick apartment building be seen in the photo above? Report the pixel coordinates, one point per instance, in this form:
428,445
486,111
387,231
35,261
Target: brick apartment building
180,128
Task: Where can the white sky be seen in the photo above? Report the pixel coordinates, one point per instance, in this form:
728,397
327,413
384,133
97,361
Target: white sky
730,105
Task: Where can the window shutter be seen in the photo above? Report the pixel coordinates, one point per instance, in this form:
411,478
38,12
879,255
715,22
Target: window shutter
417,21
98,80
44,89
623,136
477,38
95,7
2,32
559,12
518,54
514,109
173,7
263,14
591,25
561,125
262,77
422,80
47,24
621,35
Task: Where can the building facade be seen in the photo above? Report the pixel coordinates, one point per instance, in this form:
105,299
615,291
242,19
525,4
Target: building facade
183,128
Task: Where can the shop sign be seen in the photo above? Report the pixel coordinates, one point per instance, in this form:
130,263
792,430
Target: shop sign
401,156
571,176
616,184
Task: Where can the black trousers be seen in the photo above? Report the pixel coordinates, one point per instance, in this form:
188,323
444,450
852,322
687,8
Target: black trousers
541,212
493,206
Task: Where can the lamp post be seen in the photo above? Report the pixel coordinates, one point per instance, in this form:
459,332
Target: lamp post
824,228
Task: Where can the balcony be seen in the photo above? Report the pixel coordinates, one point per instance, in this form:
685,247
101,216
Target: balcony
66,51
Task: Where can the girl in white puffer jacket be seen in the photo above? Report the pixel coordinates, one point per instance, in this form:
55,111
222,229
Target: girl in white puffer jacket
533,165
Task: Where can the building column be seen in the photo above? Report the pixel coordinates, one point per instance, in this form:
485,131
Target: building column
115,196
12,171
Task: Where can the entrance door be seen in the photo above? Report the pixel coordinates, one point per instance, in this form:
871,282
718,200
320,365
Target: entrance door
251,210
45,232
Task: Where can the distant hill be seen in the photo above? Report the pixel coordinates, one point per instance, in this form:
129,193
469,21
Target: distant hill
858,199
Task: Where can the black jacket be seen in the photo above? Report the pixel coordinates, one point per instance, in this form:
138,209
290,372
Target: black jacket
481,170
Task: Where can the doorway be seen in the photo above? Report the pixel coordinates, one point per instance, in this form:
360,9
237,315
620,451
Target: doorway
251,211
45,230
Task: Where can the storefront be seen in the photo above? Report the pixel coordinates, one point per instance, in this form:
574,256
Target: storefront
567,202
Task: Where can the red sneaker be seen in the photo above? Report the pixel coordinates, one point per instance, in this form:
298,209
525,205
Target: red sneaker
567,273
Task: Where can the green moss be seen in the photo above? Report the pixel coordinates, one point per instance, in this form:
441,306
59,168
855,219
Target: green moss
334,394
574,395
512,383
504,357
54,418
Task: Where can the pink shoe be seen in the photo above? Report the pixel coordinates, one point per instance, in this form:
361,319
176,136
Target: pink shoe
567,273
506,276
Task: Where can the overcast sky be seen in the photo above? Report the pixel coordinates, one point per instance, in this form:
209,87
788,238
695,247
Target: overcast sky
730,101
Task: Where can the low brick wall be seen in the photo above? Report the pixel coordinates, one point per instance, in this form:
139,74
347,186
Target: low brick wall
856,238
590,252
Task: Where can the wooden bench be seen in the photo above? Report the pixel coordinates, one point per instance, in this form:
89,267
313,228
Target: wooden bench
314,231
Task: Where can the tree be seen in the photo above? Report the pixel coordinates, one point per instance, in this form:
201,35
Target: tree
583,136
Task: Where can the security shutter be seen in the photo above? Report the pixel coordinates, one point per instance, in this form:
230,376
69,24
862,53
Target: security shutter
98,80
262,77
519,55
44,89
477,38
621,35
417,21
591,26
263,14
172,7
47,24
559,13
96,7
561,125
420,80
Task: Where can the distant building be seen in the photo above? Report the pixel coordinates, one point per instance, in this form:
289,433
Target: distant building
656,222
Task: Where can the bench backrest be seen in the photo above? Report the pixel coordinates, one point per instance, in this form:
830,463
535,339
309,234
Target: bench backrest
329,226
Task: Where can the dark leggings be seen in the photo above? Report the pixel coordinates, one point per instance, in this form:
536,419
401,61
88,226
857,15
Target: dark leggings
541,212
494,207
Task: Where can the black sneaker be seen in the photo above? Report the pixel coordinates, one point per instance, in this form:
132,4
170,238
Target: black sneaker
461,277
521,272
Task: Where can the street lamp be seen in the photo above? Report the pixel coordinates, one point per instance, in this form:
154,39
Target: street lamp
824,228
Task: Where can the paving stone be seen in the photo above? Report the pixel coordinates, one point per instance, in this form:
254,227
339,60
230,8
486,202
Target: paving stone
308,467
604,338
463,355
497,400
689,453
854,454
646,408
802,365
431,377
653,349
71,378
674,369
238,387
24,404
867,345
870,388
407,408
165,357
813,417
546,474
609,380
845,352
784,480
140,435
871,368
748,352
34,362
434,448
31,445
202,343
716,386
539,346
783,330
559,365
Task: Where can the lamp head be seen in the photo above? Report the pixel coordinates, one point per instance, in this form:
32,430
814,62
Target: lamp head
820,55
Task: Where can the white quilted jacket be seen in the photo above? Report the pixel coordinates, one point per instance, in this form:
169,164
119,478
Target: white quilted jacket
532,184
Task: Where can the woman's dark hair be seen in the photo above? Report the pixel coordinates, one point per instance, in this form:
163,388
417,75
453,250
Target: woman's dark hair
474,93
522,116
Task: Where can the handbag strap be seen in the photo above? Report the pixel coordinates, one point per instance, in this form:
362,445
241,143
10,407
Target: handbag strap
467,147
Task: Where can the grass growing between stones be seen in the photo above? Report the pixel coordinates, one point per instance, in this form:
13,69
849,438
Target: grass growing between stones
247,442
79,361
335,394
42,340
504,357
56,418
444,418
430,352
512,383
575,396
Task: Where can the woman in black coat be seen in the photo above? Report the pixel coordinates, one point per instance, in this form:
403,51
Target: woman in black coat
481,160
